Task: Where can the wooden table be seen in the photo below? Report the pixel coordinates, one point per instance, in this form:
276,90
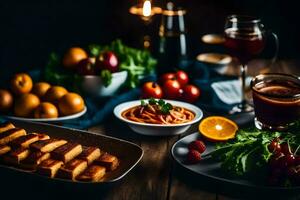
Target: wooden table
157,176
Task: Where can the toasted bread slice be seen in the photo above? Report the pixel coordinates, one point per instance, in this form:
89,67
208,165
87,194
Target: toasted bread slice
6,126
24,141
48,145
11,135
93,173
42,136
34,159
4,149
16,156
90,154
108,161
67,152
49,167
72,169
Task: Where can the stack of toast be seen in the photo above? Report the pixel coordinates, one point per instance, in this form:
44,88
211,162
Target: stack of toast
53,157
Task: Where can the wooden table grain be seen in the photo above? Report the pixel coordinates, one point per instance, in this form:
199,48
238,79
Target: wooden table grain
157,176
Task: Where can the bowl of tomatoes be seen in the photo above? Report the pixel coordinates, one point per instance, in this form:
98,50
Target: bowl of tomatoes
172,85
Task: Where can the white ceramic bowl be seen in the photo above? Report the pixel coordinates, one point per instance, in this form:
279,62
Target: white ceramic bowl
158,129
93,85
216,61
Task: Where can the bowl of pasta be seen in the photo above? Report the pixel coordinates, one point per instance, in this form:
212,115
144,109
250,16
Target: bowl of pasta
158,117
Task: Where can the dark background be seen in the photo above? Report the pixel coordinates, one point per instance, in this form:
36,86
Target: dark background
30,30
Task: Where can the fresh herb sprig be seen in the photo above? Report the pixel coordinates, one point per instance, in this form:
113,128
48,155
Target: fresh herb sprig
163,106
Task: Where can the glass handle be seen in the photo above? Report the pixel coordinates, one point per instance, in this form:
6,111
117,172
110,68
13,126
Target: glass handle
274,58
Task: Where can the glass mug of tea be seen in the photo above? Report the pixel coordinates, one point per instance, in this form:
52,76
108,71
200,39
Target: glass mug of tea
276,99
245,38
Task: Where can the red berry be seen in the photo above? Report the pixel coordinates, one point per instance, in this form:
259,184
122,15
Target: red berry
193,157
197,145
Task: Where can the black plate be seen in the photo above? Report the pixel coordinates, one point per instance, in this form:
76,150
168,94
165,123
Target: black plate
212,169
128,153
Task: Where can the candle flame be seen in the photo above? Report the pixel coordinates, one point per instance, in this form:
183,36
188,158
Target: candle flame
147,8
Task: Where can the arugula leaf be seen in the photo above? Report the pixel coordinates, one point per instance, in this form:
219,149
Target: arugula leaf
249,152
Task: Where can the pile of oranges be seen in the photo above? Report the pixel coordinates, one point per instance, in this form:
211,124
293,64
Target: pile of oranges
38,100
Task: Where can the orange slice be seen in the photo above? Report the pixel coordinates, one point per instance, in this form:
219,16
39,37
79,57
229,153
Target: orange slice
217,128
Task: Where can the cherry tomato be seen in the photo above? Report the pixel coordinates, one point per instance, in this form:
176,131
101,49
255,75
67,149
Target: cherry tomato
182,77
151,89
86,66
171,89
107,60
274,146
190,93
167,76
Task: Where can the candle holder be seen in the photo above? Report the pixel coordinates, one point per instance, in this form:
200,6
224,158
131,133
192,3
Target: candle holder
145,11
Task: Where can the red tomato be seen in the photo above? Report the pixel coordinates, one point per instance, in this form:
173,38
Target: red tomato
171,89
165,77
151,89
190,93
86,66
182,77
107,60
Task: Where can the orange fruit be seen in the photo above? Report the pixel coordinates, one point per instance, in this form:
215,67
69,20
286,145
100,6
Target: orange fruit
73,56
46,110
40,88
54,93
217,128
25,105
6,100
70,104
21,84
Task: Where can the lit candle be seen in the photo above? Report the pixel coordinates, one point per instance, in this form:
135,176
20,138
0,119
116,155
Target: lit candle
145,10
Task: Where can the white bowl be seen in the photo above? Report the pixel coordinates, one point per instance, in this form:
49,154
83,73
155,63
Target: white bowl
93,85
216,61
158,129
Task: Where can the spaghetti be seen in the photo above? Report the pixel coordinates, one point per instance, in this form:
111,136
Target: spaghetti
152,114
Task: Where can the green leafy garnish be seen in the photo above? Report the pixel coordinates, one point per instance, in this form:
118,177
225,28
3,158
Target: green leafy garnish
163,106
106,77
248,152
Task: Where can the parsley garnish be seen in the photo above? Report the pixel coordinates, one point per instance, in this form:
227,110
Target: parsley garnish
163,106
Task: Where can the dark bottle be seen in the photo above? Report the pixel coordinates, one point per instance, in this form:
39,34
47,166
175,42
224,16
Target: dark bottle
172,39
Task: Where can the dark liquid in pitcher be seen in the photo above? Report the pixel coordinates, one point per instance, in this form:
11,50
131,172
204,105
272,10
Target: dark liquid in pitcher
275,103
243,43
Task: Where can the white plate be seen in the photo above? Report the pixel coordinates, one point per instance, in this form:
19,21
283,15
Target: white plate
158,129
59,119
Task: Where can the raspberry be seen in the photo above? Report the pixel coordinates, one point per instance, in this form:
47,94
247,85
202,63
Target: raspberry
197,145
193,157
